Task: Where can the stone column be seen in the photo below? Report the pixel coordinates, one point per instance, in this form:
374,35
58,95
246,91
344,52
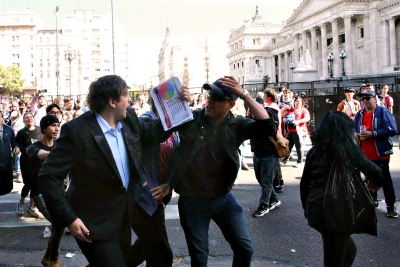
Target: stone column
324,52
392,36
279,68
348,45
367,46
286,66
304,43
336,60
314,48
385,54
296,50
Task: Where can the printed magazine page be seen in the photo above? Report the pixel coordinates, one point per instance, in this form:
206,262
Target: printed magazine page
171,109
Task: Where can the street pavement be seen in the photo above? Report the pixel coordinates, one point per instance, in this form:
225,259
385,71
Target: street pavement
281,238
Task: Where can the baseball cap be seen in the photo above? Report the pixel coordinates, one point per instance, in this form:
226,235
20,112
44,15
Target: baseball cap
220,90
367,93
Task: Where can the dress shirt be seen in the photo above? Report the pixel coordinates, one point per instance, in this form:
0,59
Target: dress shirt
115,140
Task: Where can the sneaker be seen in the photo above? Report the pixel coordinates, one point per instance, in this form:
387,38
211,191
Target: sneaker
278,188
48,263
20,208
273,204
35,212
298,165
376,203
284,162
18,178
391,212
245,167
261,211
46,232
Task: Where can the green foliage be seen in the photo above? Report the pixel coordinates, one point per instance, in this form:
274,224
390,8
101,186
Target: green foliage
10,79
266,79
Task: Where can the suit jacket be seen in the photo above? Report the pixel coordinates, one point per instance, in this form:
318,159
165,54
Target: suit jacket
6,145
96,194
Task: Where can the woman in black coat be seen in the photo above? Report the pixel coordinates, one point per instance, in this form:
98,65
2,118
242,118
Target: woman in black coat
333,142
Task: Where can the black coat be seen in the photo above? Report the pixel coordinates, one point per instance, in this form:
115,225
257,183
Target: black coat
96,194
315,178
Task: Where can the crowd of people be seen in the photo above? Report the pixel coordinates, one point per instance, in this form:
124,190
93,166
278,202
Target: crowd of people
111,153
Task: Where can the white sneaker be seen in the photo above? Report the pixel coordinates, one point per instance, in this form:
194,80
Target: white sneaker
35,212
20,208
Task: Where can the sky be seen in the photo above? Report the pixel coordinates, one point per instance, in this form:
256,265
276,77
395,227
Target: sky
145,21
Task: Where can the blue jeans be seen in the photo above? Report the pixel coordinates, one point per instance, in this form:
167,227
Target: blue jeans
265,171
196,212
17,158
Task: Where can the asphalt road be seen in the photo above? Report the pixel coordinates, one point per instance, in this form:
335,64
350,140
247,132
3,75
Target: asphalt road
281,238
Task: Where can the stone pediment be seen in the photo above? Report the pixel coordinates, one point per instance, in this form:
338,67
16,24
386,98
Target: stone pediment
309,7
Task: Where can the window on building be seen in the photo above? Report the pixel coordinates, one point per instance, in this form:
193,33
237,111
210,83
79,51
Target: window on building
234,66
242,64
238,65
48,62
31,55
342,38
48,39
329,41
41,62
239,80
48,74
254,41
273,41
97,69
31,65
257,62
32,74
86,78
361,32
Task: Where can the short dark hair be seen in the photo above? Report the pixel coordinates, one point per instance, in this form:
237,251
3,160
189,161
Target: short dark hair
49,107
104,88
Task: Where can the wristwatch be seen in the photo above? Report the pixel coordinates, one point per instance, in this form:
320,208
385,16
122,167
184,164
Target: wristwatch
245,93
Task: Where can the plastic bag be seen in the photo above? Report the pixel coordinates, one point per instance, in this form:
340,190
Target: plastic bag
348,205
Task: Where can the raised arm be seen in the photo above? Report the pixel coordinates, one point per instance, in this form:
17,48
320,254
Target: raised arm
256,109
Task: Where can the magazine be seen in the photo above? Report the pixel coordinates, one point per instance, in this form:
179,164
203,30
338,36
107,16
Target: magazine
171,109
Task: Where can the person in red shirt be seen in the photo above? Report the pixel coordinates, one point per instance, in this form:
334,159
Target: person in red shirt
297,128
373,125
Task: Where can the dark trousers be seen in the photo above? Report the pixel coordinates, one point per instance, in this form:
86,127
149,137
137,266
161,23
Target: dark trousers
294,140
6,181
53,246
107,253
152,244
388,190
339,249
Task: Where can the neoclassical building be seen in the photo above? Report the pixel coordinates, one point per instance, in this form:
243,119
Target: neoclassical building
366,30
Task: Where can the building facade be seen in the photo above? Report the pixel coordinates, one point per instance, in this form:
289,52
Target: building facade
366,30
85,44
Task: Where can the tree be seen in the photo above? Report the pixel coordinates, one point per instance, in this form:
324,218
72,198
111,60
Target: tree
10,80
266,79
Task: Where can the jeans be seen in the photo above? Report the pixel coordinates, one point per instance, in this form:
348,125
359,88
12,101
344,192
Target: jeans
295,140
388,190
196,212
17,158
265,171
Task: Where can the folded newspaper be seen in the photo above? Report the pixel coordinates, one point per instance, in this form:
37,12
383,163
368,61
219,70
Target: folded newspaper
171,109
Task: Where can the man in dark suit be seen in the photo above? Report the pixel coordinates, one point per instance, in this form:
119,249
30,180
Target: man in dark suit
7,144
102,151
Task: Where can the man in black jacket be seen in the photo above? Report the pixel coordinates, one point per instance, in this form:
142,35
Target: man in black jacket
102,150
206,164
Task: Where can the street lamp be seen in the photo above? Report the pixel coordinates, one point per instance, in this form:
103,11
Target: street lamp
70,55
342,56
292,67
330,60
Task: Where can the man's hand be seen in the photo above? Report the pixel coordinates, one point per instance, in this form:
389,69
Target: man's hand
230,82
16,150
365,134
160,191
79,230
185,94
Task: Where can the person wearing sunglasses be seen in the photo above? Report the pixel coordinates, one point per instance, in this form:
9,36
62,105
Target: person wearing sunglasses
373,127
205,167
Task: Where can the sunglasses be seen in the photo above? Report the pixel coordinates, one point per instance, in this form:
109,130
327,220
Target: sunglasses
366,98
216,98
